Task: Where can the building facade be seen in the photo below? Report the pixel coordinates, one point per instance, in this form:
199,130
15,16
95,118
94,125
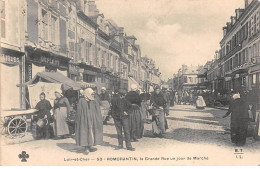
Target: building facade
186,78
71,37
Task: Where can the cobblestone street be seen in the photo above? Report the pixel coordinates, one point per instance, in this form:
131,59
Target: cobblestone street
195,137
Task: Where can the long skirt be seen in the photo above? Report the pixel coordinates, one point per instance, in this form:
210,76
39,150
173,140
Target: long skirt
105,107
239,128
136,123
60,124
200,103
159,123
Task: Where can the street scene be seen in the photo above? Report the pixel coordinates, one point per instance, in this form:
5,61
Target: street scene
192,133
140,82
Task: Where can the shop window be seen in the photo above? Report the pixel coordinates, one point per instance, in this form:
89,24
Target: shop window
244,81
253,77
190,80
185,79
88,78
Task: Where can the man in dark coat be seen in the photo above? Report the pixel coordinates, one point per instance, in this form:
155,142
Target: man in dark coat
43,107
120,113
239,120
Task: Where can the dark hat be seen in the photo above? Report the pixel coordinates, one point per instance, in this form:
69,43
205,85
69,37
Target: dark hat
122,91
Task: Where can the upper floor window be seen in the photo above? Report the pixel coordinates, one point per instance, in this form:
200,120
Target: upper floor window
44,25
54,30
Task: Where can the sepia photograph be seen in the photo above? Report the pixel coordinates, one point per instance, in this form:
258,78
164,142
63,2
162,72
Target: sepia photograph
130,83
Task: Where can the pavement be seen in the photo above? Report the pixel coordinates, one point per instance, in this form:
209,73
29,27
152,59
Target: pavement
194,137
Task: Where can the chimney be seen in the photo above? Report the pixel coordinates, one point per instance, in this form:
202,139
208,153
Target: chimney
233,20
80,5
92,8
224,31
121,30
246,3
228,26
239,12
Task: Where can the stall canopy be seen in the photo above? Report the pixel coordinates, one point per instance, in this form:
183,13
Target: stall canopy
55,77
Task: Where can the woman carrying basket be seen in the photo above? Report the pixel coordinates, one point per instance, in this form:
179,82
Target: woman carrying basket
158,104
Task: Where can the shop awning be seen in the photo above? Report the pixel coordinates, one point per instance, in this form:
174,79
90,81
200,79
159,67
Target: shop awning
202,73
54,77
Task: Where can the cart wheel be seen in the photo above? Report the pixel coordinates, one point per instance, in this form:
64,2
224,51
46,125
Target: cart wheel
17,127
2,127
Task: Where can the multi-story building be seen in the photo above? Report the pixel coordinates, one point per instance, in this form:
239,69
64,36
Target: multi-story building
46,37
239,53
203,82
12,53
71,37
186,78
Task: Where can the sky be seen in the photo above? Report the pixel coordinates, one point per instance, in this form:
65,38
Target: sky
173,32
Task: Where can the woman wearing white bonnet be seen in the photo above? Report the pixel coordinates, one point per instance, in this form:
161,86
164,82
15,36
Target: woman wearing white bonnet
89,129
61,110
239,119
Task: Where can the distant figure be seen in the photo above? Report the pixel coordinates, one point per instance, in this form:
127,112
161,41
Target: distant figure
239,120
166,96
200,103
172,97
145,97
105,104
179,97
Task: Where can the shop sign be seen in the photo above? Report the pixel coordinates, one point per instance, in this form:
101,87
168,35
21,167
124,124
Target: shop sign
49,60
8,58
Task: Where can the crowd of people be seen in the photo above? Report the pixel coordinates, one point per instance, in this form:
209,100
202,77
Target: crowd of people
129,110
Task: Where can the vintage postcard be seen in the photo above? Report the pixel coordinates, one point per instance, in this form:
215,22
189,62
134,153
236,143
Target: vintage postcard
130,83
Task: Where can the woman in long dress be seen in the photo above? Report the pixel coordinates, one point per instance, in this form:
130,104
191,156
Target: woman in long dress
135,118
61,108
239,120
200,103
85,123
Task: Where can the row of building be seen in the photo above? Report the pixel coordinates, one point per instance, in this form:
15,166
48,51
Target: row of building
236,65
71,37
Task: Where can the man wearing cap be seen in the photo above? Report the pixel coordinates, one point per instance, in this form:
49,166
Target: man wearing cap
120,113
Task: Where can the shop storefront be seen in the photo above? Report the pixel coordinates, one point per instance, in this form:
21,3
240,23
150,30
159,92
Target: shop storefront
11,76
40,61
